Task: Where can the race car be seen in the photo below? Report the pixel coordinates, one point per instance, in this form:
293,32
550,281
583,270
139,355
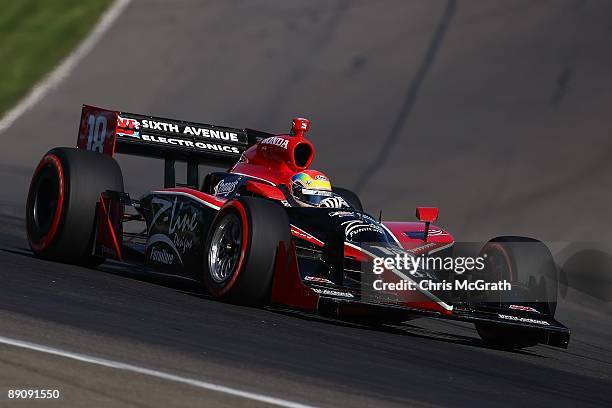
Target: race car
269,231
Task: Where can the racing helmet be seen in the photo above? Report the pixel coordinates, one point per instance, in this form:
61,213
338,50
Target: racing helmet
310,188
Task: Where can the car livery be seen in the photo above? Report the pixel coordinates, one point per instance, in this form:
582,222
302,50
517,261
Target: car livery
244,237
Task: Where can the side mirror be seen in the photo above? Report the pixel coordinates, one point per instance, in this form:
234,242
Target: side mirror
427,214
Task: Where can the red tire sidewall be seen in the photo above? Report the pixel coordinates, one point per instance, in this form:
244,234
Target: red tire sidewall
221,290
47,240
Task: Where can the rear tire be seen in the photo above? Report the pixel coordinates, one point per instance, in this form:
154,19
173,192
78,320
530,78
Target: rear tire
240,251
62,203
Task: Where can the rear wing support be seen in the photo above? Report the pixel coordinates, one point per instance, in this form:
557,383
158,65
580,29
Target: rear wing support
193,174
169,173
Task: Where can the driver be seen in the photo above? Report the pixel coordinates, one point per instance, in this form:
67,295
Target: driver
311,188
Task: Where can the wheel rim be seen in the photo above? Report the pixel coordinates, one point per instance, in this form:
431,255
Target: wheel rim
225,248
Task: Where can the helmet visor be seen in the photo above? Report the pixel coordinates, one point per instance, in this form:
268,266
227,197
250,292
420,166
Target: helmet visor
313,197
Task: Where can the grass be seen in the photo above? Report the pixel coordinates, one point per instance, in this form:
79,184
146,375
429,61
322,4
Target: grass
35,35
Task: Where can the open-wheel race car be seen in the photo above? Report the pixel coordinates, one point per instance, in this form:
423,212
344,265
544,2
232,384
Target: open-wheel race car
270,231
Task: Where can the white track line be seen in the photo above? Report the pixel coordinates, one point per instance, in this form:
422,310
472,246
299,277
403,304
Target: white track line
63,70
153,373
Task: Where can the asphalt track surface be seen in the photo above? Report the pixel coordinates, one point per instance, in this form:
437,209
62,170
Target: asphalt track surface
496,111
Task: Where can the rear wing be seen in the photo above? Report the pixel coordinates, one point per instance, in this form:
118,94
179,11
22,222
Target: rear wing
110,132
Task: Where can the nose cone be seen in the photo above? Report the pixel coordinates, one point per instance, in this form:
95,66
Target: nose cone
300,126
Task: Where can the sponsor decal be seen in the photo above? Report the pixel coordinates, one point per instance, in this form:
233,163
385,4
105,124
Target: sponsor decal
163,238
210,133
127,123
188,143
187,222
436,232
276,141
165,205
330,292
161,256
182,221
523,308
419,234
128,133
317,279
341,214
309,191
303,124
523,319
334,202
423,248
182,243
161,126
110,252
128,127
305,236
354,227
225,187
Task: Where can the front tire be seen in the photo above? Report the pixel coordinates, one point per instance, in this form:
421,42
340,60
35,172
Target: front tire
503,337
240,251
530,267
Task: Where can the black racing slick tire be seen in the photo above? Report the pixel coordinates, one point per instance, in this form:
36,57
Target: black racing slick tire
532,271
502,337
349,197
241,248
62,203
